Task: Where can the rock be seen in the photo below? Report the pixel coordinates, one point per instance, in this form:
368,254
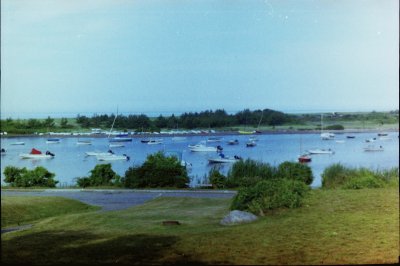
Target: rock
238,217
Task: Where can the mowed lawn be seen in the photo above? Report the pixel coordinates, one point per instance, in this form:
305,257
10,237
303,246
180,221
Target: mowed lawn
332,227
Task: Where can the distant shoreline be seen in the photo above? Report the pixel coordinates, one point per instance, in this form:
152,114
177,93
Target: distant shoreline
220,133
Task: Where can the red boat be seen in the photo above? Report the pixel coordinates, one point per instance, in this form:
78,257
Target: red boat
304,159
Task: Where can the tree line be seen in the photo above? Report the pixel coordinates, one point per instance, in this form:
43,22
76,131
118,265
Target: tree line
189,120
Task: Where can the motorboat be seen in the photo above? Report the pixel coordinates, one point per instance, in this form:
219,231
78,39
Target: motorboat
201,147
373,148
214,139
120,139
3,151
321,151
370,140
224,159
112,157
351,137
381,134
97,153
251,144
84,142
233,142
144,140
154,142
36,154
305,158
327,136
53,141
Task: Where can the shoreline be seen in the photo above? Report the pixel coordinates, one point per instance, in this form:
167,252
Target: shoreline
220,133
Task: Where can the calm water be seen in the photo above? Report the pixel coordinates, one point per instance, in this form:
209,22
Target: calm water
70,160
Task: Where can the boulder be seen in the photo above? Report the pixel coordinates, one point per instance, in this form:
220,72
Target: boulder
238,217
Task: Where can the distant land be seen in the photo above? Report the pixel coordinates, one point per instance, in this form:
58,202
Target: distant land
220,120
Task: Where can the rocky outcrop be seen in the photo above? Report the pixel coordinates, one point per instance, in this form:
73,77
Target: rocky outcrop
238,217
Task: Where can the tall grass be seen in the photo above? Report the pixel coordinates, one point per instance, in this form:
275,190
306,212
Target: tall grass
340,176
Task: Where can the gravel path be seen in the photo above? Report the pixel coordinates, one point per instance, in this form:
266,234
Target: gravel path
111,200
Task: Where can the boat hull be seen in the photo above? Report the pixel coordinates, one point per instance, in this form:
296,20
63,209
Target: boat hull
35,156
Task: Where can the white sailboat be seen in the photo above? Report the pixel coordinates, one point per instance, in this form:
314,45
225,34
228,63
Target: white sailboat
326,135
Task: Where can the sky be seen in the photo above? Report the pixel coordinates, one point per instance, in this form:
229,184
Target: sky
65,57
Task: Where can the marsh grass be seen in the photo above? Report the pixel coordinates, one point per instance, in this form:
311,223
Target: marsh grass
333,227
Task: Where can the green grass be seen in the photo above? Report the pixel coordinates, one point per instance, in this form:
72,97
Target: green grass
332,227
17,210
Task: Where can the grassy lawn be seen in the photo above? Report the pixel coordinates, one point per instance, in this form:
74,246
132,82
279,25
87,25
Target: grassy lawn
333,227
22,210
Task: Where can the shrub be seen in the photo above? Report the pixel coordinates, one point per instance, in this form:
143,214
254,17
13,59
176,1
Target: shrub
339,176
335,176
295,171
21,177
217,179
270,194
248,172
157,171
335,127
100,175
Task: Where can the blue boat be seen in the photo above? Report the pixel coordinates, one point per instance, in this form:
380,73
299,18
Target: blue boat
120,139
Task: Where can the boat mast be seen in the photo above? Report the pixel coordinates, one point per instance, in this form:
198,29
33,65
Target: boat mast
112,126
259,122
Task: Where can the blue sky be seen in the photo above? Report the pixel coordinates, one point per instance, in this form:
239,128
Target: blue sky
80,56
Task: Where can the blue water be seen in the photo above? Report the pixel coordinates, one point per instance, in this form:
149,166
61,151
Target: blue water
70,160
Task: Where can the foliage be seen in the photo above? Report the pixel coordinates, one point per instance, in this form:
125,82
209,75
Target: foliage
248,172
21,177
157,171
100,175
334,127
217,179
340,176
270,194
295,171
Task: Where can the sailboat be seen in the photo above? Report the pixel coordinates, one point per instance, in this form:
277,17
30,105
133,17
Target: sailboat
119,137
259,122
326,135
305,157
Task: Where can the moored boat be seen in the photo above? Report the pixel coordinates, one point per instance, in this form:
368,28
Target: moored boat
18,143
321,151
36,154
373,148
113,157
98,153
53,141
120,139
224,159
251,144
201,147
84,142
233,142
305,158
214,139
111,145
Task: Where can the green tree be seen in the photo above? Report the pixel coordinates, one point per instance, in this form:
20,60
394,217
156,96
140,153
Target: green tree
100,175
157,171
64,122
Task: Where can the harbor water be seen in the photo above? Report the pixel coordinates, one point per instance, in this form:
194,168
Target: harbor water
70,160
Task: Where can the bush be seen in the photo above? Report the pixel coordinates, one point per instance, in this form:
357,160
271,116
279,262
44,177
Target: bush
21,177
334,127
217,179
335,176
339,176
270,194
157,171
295,171
248,172
101,175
